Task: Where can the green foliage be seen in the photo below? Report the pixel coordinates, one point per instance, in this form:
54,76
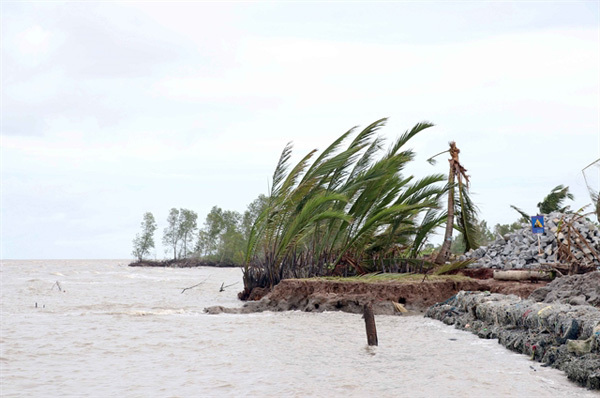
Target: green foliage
446,268
525,217
503,229
481,233
145,241
251,214
466,219
187,225
347,206
427,249
485,235
179,233
225,233
553,202
171,232
555,199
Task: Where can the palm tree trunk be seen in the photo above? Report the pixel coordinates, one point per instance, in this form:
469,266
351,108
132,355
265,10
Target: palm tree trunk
445,250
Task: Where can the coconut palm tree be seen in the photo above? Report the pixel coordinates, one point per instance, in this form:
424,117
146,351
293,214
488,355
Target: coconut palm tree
462,213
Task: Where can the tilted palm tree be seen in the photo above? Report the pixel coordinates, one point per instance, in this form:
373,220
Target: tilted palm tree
462,213
344,207
553,202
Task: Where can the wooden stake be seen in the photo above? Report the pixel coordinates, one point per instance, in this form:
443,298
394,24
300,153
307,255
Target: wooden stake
370,324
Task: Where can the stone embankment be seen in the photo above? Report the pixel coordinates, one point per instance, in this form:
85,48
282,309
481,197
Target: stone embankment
316,295
567,237
574,290
552,331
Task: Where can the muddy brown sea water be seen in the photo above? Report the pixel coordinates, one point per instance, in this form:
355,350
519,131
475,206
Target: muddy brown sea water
107,330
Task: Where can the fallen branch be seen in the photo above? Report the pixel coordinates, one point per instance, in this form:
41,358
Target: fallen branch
223,287
197,284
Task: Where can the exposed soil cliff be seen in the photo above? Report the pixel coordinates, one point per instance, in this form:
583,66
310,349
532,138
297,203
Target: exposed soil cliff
329,295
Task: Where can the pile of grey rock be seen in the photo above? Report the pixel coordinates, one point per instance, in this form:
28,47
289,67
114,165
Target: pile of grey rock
522,250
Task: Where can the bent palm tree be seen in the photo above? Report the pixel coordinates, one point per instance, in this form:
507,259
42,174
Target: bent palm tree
462,209
553,202
346,205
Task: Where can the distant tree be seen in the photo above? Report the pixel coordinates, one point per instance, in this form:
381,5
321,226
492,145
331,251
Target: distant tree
221,238
144,241
481,234
208,238
202,244
186,226
503,229
484,234
171,235
231,240
251,214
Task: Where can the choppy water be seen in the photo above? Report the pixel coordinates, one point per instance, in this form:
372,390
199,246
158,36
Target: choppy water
130,332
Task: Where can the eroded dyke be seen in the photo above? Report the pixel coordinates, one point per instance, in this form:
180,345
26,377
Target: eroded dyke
564,336
326,295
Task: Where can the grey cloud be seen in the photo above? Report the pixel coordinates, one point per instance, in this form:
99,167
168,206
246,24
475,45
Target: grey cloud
97,47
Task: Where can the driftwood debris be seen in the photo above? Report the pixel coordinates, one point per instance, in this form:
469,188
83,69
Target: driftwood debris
223,287
370,324
197,284
525,275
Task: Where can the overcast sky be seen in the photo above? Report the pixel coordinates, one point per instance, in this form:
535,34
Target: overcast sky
110,110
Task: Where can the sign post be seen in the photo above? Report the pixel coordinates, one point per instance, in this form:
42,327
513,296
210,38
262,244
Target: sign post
537,228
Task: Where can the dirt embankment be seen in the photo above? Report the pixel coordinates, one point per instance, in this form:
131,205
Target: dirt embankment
350,296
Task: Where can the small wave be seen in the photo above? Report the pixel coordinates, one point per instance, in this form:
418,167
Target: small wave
146,313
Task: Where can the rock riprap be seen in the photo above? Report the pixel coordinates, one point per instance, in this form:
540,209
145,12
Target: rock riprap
574,289
567,237
563,336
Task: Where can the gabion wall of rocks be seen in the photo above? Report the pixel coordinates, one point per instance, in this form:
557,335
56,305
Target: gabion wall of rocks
559,335
521,249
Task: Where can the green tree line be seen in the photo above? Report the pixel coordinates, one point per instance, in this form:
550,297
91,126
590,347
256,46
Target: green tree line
221,239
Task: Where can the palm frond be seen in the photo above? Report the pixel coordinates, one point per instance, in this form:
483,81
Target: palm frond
404,138
554,200
446,268
281,169
524,216
467,220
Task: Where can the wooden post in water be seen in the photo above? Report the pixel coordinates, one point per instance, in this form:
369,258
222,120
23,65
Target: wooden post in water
370,324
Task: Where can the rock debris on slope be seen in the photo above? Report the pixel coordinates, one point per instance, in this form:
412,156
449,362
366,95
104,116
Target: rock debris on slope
567,237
